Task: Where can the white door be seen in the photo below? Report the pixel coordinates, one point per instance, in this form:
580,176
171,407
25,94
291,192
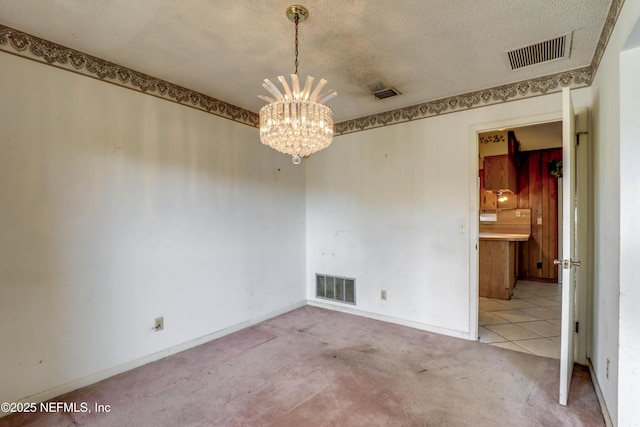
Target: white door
568,263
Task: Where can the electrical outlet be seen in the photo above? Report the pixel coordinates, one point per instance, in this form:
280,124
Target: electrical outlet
383,295
608,364
518,214
159,324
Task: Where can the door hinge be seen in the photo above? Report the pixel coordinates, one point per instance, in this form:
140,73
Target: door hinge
578,136
577,327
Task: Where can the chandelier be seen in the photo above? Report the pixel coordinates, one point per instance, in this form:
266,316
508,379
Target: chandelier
296,122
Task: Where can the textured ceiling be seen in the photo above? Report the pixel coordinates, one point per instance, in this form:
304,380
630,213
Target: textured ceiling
427,49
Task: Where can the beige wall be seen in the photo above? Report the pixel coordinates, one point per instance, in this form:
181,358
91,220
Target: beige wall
608,252
385,206
118,207
629,341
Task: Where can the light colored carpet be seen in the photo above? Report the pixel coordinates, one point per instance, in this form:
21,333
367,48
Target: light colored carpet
315,367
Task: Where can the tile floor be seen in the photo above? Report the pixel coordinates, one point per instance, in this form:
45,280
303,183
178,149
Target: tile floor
529,322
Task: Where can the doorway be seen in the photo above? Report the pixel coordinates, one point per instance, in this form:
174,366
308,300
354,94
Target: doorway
584,292
527,317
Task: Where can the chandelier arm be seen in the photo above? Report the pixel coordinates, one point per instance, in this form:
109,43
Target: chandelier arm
328,97
319,86
287,90
295,83
307,88
273,89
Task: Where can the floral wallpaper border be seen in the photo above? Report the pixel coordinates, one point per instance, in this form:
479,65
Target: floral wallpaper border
520,90
26,45
22,44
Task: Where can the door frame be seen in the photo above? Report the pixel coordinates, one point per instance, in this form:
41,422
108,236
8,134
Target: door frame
582,340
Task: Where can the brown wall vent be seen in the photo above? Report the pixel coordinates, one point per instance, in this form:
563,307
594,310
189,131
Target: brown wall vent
537,53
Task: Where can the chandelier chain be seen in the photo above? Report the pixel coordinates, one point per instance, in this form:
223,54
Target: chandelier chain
297,20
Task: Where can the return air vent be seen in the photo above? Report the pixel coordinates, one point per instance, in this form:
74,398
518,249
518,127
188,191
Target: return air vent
386,93
537,53
341,289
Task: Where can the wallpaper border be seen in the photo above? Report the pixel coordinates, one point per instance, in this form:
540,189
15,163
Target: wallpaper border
35,48
31,47
520,90
524,89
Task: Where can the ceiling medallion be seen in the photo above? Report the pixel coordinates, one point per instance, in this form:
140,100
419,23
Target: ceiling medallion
296,122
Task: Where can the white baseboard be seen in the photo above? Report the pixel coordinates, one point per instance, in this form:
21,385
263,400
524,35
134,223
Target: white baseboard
107,373
390,319
603,404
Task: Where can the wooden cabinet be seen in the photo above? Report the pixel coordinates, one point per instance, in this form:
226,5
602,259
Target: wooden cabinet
488,200
497,252
500,173
497,275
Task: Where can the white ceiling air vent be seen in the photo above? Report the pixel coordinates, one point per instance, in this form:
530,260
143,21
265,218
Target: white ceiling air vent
537,53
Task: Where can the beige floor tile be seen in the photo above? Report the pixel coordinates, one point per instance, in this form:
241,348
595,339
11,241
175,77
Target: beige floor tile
542,328
519,303
521,294
512,332
546,292
543,302
541,347
510,346
557,309
487,318
492,305
543,313
515,316
529,322
486,336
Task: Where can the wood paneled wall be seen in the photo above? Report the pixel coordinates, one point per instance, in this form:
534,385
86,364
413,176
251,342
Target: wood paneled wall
538,191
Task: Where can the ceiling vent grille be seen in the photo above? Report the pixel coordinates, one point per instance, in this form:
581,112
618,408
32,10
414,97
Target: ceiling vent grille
386,93
537,53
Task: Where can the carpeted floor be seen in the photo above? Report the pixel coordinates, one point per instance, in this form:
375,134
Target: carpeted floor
315,367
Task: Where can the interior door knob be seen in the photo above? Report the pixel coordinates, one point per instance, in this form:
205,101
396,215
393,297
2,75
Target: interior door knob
565,263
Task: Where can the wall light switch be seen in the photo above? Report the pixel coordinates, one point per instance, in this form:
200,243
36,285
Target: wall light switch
539,221
461,228
518,214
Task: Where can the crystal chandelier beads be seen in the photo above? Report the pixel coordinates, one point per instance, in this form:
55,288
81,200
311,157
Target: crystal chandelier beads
296,122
